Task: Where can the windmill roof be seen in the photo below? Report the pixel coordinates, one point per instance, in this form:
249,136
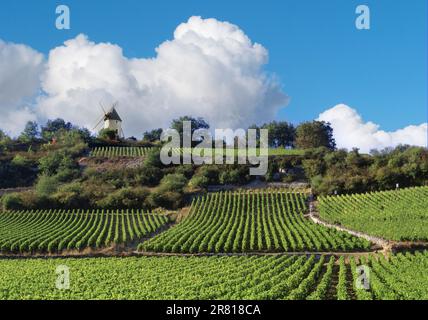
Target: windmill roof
112,115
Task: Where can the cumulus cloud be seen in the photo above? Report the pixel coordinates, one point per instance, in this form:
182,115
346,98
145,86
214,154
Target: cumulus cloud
209,69
351,131
20,70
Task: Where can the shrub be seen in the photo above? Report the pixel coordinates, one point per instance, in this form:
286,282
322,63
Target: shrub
71,196
172,182
211,172
47,185
170,199
148,175
125,198
12,201
198,182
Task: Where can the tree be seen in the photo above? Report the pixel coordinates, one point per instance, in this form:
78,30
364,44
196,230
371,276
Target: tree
108,134
281,134
5,142
196,124
30,133
315,134
59,164
52,127
153,135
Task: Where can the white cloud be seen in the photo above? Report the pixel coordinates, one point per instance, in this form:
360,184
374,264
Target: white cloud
20,70
209,69
351,131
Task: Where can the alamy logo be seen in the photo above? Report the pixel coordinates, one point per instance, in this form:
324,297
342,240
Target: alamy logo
252,147
63,278
63,20
363,278
363,20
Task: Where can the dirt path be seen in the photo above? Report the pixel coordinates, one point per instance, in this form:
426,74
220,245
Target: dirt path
314,216
112,253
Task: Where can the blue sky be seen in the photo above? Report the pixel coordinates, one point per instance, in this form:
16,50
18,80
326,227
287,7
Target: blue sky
315,50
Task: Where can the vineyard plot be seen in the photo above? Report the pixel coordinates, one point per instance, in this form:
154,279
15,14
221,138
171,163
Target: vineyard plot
115,152
244,277
54,231
397,215
271,221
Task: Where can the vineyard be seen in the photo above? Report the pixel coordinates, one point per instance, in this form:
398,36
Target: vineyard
397,215
114,152
270,221
245,277
129,152
54,231
242,152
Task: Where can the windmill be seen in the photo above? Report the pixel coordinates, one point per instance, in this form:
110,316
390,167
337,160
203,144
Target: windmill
112,120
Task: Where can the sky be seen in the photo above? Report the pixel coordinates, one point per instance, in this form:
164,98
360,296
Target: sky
296,61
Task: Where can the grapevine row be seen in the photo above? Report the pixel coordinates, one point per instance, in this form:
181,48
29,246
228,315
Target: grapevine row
251,221
397,215
113,152
54,231
311,277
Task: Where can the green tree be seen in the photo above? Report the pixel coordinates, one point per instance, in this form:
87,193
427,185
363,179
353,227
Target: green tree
52,127
315,134
30,133
196,124
153,135
47,185
281,134
108,134
5,142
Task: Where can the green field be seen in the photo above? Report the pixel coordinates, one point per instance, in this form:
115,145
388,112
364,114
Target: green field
54,231
397,215
251,221
247,277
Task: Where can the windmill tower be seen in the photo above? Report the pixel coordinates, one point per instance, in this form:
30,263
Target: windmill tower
112,120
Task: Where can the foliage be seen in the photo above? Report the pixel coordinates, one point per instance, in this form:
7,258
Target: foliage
125,198
198,182
53,127
314,134
108,134
173,182
47,185
153,158
59,164
196,124
30,133
153,135
281,133
12,201
165,199
353,172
